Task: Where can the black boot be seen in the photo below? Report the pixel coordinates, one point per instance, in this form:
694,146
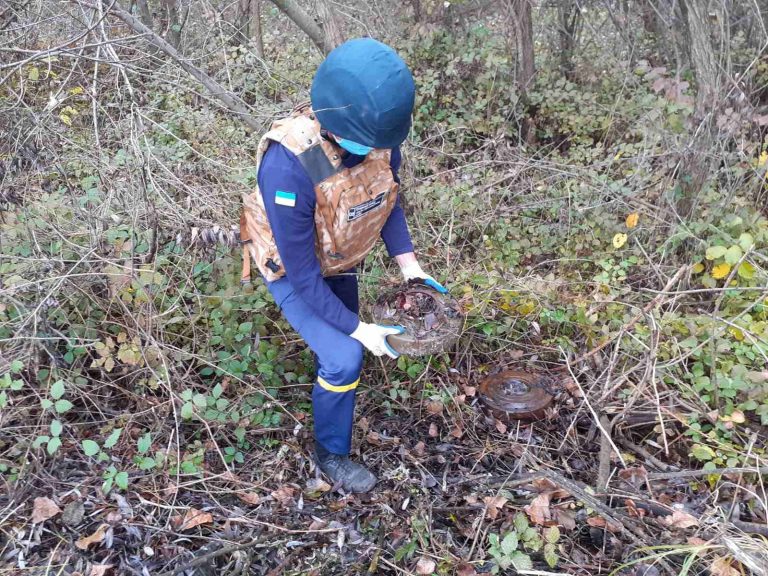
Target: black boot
352,476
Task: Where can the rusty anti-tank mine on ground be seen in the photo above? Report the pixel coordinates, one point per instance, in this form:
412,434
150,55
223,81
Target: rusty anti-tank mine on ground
517,394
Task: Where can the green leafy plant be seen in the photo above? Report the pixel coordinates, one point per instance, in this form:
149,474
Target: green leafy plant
91,447
508,551
143,459
113,477
56,403
8,382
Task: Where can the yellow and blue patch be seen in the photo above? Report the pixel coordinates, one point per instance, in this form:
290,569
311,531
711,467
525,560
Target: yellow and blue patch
285,198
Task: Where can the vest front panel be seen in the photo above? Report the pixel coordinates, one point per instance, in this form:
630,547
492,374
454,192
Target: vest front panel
352,204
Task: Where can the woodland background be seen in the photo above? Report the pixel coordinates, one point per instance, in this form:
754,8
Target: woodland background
587,176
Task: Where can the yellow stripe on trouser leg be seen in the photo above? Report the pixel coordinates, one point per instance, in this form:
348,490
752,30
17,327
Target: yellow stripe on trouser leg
343,388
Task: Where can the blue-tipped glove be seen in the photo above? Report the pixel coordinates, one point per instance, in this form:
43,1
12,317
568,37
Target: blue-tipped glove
413,271
374,338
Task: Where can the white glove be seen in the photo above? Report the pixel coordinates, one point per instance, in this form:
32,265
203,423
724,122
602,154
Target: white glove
374,337
413,271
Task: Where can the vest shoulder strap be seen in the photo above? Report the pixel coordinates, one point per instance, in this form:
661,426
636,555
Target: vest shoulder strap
301,136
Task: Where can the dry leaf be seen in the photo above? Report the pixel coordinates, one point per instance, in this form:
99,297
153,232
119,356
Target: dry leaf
425,565
501,427
100,569
738,417
633,510
95,538
192,518
694,541
284,495
317,486
373,438
470,391
465,569
600,522
317,524
420,449
546,485
434,407
251,498
538,510
635,475
43,509
721,566
493,504
114,517
565,518
457,432
679,519
433,430
632,220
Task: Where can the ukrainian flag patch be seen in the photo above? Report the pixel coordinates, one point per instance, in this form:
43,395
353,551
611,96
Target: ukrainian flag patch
285,198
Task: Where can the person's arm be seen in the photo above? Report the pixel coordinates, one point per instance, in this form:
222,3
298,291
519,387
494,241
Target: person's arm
397,238
293,227
395,232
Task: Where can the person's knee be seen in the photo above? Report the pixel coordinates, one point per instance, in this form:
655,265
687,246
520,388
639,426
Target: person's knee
346,363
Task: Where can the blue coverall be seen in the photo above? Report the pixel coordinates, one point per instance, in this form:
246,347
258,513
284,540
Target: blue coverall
324,311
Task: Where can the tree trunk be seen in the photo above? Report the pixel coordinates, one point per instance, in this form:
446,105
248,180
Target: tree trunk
522,20
703,57
654,31
304,21
256,34
698,165
174,26
144,13
242,22
569,16
329,22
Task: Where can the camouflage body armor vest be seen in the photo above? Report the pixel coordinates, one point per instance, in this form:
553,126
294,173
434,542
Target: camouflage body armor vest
352,204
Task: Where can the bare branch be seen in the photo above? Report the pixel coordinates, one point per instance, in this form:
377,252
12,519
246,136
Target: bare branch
231,101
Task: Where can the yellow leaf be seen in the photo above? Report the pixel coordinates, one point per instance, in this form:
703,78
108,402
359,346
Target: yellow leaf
763,158
76,90
526,308
736,333
632,220
619,240
66,119
33,74
698,268
746,271
618,155
721,271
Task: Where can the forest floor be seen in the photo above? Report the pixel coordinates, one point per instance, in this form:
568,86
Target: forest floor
155,416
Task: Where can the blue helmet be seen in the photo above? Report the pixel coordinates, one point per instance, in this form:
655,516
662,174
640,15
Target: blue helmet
364,92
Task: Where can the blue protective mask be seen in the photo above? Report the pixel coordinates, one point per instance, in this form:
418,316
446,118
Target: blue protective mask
354,147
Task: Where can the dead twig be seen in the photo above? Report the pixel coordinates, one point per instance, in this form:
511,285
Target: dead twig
204,559
655,303
604,469
698,473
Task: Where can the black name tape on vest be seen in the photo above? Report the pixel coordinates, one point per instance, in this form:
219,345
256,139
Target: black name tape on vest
361,209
